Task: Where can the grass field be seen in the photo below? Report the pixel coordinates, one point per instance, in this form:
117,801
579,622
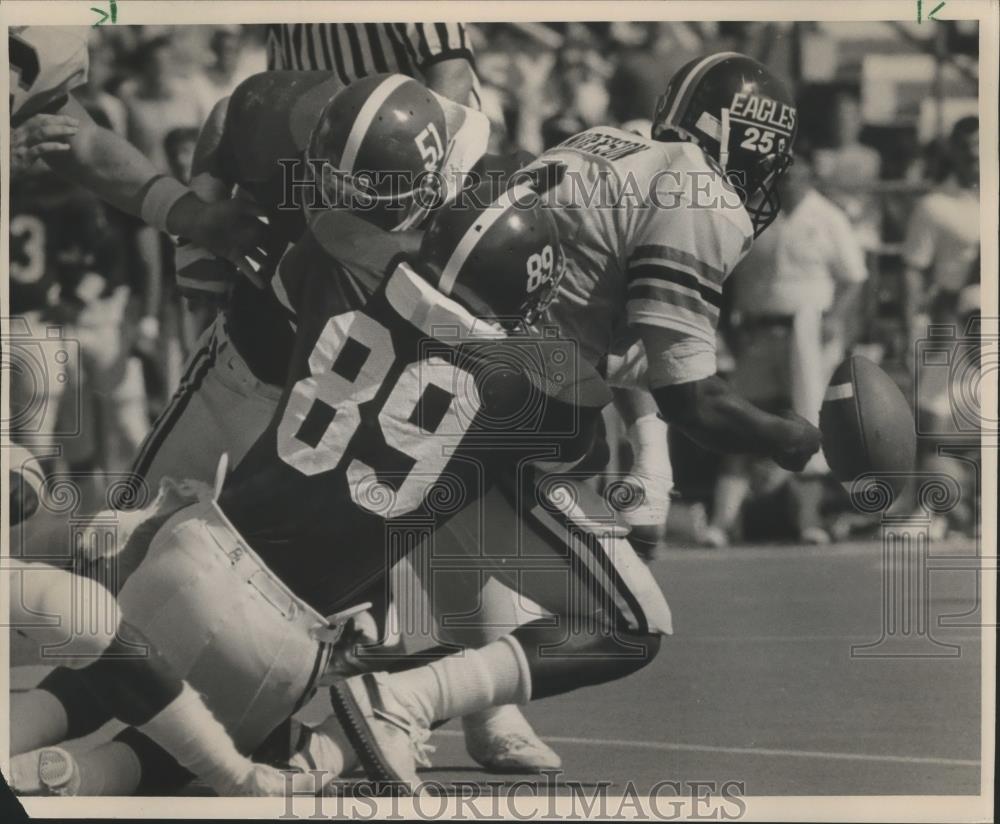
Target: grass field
758,685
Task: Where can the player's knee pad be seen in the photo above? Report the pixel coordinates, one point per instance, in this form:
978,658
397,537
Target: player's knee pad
132,678
560,661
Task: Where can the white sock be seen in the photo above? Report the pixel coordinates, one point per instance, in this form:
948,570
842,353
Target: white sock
188,731
470,681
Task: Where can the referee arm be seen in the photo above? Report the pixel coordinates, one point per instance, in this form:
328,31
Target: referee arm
451,78
444,57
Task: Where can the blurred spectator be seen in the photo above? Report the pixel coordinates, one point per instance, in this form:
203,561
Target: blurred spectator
67,269
849,167
942,240
942,257
791,297
158,101
104,107
582,98
222,75
643,69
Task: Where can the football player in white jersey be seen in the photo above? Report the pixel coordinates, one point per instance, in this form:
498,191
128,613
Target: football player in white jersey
46,64
654,227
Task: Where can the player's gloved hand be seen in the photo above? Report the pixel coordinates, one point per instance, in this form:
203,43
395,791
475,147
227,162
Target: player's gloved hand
38,136
233,230
798,442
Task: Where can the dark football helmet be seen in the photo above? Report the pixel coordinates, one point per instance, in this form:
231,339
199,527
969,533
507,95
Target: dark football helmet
499,257
382,140
743,118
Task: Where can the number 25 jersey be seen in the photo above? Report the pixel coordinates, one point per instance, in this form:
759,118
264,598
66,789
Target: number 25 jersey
394,418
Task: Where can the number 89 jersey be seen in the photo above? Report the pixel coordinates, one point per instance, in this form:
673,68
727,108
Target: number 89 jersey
396,417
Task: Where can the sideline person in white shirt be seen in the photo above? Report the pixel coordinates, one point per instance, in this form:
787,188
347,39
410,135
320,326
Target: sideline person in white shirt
792,296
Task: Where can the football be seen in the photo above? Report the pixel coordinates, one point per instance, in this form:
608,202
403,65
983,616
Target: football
867,424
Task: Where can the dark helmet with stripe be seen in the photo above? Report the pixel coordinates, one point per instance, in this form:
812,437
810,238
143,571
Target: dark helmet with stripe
499,257
382,141
743,118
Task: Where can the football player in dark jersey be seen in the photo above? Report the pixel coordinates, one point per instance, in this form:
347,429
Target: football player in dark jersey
255,141
394,417
385,123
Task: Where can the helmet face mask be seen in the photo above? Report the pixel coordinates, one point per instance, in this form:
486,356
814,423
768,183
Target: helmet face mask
762,199
744,120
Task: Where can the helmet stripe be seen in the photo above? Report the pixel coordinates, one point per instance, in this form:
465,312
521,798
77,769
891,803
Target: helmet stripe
364,119
689,83
478,230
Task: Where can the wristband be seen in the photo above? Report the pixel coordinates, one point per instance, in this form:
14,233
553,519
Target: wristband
160,198
149,327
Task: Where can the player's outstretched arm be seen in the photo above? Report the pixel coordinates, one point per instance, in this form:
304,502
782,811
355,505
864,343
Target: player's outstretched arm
116,171
714,416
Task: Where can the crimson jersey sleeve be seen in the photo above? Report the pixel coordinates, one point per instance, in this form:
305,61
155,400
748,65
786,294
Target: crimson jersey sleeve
46,63
395,416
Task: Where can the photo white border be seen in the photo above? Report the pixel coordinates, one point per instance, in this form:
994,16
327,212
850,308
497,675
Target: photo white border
200,12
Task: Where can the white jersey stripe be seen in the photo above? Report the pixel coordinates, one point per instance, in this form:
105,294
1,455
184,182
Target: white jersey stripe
365,117
427,309
476,231
651,313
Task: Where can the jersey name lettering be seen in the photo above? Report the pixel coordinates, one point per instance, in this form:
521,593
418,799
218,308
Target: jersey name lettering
604,145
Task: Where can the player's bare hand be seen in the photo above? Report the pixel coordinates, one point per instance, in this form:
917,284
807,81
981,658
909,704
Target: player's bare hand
799,442
231,229
40,135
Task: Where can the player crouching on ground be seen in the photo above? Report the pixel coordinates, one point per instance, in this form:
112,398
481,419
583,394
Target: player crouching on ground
119,668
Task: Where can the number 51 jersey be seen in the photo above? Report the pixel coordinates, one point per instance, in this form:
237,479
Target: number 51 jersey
396,417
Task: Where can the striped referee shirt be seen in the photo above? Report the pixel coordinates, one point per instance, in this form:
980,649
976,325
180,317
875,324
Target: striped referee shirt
356,50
